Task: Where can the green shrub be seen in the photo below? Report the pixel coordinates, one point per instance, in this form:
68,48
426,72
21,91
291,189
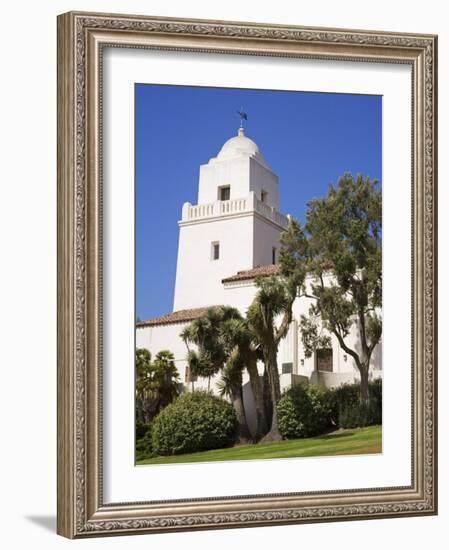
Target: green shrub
303,411
144,444
141,429
375,396
348,412
355,416
196,421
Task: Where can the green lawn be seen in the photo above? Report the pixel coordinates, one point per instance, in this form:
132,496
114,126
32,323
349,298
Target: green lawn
348,442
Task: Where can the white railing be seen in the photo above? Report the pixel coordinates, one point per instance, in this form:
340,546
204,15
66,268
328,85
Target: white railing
200,211
231,206
251,203
270,213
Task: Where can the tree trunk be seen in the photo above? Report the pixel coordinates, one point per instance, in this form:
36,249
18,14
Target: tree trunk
275,390
268,405
243,435
150,408
257,389
139,410
364,360
364,387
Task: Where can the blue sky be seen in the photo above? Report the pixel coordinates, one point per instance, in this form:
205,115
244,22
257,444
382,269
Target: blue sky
308,139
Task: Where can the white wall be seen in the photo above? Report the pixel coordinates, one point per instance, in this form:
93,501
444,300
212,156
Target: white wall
233,172
164,337
246,240
342,362
241,293
263,179
198,276
243,174
266,236
27,278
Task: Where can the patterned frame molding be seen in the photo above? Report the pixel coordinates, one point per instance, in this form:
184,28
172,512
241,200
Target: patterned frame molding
81,38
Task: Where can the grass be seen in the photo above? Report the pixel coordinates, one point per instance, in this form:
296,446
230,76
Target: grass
348,442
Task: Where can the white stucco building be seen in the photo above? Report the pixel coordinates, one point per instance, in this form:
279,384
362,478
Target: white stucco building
226,240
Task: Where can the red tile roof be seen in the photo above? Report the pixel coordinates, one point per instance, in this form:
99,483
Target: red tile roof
258,271
181,316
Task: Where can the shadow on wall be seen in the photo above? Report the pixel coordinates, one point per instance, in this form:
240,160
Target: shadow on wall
46,522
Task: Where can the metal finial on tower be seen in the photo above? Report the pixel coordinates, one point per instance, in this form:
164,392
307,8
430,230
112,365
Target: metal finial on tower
243,116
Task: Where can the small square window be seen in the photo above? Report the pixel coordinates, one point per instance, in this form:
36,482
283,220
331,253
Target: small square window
215,251
224,193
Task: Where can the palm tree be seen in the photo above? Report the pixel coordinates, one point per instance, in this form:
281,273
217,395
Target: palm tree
157,383
204,332
238,338
166,377
195,333
143,376
213,355
230,385
275,297
192,365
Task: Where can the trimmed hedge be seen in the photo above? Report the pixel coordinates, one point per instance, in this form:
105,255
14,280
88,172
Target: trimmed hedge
196,421
348,412
304,410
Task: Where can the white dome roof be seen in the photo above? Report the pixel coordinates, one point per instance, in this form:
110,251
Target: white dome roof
238,146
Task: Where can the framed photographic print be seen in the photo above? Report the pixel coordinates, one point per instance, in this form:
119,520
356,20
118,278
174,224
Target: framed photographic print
246,274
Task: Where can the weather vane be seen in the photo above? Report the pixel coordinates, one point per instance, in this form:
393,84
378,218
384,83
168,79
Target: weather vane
243,116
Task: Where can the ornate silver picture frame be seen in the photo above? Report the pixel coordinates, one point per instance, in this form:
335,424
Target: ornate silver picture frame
82,41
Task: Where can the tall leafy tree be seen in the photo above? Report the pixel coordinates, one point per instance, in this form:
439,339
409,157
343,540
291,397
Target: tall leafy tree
343,232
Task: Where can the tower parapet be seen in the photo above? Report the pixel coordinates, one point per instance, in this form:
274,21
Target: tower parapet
199,212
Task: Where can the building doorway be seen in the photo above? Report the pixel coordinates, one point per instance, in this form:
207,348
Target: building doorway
324,361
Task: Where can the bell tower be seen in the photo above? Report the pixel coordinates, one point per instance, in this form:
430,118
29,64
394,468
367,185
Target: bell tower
235,225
